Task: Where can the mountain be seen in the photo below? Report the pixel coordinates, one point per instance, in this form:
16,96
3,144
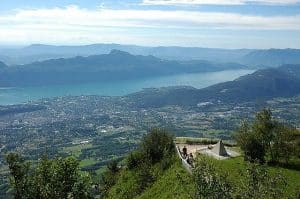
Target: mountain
106,67
39,52
272,57
261,85
251,57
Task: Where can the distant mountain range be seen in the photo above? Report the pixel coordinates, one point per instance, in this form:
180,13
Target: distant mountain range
272,57
107,67
261,85
250,57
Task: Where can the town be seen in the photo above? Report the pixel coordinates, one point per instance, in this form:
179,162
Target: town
98,129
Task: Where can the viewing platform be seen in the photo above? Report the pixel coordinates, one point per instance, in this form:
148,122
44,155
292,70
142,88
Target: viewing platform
193,147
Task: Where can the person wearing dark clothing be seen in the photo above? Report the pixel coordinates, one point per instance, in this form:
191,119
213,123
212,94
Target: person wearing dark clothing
190,159
184,152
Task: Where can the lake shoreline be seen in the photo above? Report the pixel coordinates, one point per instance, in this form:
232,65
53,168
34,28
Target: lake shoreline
19,95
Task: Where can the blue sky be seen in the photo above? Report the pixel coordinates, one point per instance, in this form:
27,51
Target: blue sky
203,23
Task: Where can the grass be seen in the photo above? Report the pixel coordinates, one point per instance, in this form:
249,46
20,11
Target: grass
100,171
87,162
76,149
174,183
234,167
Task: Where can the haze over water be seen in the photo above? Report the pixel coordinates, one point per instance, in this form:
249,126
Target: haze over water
197,80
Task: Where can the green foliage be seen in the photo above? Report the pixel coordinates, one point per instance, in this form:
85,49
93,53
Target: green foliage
113,166
109,177
282,144
209,183
237,169
246,181
19,180
252,147
260,184
174,183
298,194
143,166
126,187
266,139
134,159
157,145
56,178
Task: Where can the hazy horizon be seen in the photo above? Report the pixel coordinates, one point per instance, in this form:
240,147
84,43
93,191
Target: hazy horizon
129,44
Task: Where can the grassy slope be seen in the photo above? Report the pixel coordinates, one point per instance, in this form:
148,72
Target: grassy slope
177,183
171,186
174,183
233,167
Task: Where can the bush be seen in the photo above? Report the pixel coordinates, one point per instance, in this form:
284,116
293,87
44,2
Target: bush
260,184
156,145
209,183
267,139
52,178
144,165
134,159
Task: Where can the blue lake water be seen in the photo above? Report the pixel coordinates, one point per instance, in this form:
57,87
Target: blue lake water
197,80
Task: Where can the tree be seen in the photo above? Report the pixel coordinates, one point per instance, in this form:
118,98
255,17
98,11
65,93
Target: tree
250,144
113,166
19,170
56,178
267,139
263,128
282,144
156,145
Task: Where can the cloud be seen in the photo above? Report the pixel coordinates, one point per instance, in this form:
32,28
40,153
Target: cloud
76,25
75,18
220,2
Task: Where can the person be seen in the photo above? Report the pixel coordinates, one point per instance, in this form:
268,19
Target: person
184,152
190,159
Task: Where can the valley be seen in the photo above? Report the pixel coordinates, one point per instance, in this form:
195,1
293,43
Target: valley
98,129
150,99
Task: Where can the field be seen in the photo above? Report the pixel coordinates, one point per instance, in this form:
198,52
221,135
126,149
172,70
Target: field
76,149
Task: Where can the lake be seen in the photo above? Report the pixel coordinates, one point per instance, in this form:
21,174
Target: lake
197,80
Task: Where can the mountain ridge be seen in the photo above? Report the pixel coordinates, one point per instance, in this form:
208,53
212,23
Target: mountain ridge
263,84
105,67
257,57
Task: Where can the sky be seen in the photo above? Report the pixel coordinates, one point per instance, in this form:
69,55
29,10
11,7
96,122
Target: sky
198,23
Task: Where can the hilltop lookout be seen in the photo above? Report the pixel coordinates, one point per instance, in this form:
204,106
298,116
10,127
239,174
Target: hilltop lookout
197,146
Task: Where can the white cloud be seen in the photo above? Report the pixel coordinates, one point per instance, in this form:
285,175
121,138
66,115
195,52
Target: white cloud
75,18
75,25
220,2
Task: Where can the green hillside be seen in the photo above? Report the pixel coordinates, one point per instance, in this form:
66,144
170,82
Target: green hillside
174,183
154,169
234,166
